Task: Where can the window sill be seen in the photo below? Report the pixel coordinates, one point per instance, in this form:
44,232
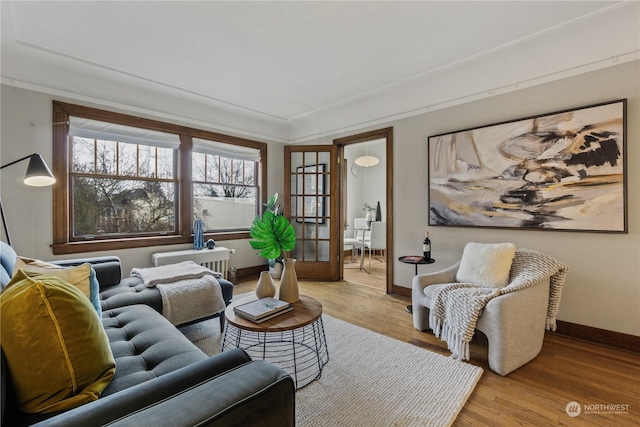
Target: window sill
138,242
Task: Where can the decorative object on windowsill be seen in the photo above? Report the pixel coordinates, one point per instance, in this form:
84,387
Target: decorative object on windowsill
198,234
378,212
266,287
275,267
211,244
368,209
273,236
38,175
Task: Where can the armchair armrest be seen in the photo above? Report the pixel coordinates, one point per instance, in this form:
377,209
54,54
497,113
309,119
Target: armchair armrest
147,394
421,281
448,275
108,270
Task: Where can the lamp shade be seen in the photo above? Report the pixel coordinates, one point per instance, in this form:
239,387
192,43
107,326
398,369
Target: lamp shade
367,161
38,173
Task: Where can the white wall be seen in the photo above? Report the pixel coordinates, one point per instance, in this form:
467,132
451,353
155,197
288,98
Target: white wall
369,184
603,286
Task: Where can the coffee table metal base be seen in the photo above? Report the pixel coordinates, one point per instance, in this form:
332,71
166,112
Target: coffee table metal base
302,352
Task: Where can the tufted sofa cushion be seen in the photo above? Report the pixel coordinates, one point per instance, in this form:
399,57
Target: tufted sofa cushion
130,291
144,346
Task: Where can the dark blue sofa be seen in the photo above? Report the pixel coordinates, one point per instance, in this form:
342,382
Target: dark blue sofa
165,379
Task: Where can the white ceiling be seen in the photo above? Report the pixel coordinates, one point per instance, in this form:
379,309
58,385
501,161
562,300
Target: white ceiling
292,71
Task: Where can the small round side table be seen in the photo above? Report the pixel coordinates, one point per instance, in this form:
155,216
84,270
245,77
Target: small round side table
415,260
294,340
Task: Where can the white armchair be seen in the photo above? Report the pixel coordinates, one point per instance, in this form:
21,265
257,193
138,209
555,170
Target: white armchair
513,318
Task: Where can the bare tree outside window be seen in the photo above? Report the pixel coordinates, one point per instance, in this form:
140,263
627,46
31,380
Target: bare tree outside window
122,188
225,191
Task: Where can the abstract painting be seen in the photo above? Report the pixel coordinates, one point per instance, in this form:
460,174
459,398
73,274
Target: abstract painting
558,171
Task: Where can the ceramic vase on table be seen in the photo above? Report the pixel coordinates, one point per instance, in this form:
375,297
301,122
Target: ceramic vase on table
289,282
266,287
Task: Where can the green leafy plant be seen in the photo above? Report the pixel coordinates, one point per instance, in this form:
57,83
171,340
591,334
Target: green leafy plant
273,235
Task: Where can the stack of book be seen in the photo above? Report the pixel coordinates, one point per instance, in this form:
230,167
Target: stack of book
262,309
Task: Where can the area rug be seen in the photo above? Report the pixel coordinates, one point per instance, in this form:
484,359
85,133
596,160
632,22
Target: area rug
373,380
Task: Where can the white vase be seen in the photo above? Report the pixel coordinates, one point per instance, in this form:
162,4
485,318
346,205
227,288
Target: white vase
276,270
369,218
289,282
266,287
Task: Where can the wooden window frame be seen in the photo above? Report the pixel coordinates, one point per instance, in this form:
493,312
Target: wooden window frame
62,243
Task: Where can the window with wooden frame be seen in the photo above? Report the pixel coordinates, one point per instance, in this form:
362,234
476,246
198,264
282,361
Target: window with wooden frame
125,182
225,188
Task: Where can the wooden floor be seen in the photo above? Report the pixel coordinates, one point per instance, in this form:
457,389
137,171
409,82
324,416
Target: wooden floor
537,394
374,277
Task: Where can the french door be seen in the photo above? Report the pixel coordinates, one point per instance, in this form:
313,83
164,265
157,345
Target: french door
310,202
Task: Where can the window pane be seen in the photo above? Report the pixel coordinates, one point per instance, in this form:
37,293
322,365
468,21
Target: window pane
237,176
249,173
224,206
213,168
119,206
106,157
225,170
165,162
197,166
83,155
146,166
127,158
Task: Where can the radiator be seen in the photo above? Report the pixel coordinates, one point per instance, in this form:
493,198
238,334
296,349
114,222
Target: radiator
216,259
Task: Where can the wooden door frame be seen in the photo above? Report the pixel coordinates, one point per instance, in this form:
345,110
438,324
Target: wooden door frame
387,134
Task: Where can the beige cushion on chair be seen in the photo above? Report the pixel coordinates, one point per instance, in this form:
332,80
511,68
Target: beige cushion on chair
486,264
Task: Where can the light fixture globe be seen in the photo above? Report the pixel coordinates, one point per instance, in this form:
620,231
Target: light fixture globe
367,161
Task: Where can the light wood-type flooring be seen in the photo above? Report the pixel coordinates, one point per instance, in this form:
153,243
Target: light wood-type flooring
537,394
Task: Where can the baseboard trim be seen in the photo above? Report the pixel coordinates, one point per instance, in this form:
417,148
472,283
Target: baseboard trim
605,337
402,291
599,336
250,271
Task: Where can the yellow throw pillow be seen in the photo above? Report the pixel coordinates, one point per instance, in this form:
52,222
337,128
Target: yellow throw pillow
77,276
56,349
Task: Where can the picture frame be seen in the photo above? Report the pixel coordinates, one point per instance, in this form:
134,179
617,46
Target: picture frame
562,171
310,181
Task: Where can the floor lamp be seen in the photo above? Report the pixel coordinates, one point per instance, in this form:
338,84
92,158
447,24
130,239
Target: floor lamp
38,175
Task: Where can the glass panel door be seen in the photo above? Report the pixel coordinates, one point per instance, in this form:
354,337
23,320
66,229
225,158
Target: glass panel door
311,206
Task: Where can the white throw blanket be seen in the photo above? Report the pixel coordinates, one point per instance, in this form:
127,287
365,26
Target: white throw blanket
455,307
189,291
172,272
